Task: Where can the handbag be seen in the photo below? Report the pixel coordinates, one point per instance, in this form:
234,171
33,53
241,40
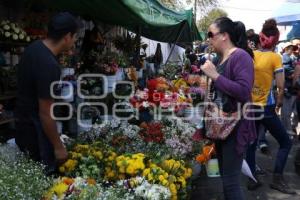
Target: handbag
217,123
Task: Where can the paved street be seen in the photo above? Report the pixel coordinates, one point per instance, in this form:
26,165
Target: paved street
211,188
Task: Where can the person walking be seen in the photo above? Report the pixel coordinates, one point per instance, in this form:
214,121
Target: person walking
158,58
232,78
268,66
290,94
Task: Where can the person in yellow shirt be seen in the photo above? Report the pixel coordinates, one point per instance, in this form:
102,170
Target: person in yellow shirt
268,67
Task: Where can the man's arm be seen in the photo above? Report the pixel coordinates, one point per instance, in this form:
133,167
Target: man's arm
279,79
49,127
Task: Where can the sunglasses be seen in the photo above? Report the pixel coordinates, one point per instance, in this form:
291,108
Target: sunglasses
211,34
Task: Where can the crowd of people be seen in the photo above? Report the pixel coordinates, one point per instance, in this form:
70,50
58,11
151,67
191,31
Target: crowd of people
250,67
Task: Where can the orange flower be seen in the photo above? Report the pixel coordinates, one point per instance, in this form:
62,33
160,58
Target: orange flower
201,158
68,181
91,181
207,152
144,125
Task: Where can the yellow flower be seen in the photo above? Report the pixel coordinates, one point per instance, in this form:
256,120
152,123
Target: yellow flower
62,169
166,175
146,172
111,174
121,176
172,178
138,156
110,158
80,148
130,170
113,154
120,158
59,189
150,177
140,165
91,181
173,189
119,163
165,182
70,165
161,178
188,173
153,165
122,170
98,155
183,183
176,165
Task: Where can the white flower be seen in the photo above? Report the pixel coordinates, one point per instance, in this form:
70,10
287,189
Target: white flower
16,30
146,104
7,34
21,36
6,27
15,37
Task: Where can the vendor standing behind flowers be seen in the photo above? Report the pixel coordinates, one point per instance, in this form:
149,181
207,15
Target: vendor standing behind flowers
36,130
233,80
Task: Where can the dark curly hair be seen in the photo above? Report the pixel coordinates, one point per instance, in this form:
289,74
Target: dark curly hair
270,28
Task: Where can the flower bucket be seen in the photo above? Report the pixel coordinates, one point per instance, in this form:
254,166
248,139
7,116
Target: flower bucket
67,72
212,168
111,80
120,75
193,115
196,170
87,125
151,68
59,127
65,92
140,73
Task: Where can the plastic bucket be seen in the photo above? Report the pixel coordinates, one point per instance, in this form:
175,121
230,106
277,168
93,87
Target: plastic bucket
66,91
111,80
193,115
140,73
212,168
120,75
86,125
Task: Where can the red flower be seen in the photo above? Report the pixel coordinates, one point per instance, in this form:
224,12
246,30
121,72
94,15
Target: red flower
198,136
152,133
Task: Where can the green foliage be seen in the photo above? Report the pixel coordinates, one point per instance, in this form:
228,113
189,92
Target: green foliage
204,23
201,5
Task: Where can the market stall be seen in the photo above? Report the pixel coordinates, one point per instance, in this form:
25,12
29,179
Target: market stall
132,141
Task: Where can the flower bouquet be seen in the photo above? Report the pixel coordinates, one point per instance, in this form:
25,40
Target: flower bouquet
72,189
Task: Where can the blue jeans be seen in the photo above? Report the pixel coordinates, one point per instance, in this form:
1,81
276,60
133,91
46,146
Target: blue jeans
273,124
230,165
31,140
262,135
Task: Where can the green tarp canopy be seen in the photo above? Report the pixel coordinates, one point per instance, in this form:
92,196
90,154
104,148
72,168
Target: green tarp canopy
149,17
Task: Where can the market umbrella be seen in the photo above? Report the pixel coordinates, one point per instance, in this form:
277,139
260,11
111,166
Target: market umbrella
288,13
148,17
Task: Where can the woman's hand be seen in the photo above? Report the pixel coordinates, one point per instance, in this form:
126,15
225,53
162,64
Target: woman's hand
210,70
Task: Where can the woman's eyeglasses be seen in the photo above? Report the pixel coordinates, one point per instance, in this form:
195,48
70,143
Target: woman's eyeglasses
211,34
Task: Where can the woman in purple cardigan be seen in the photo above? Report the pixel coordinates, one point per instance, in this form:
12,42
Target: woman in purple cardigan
232,80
